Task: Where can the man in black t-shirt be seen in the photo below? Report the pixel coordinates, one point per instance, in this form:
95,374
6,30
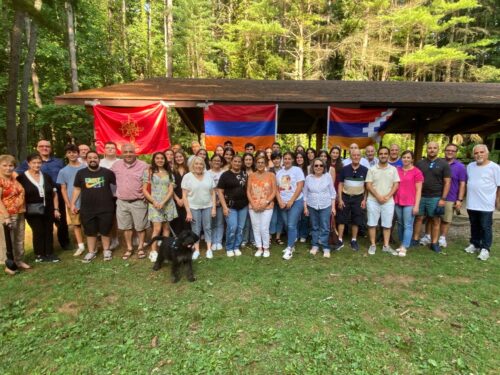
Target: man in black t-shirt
435,188
97,206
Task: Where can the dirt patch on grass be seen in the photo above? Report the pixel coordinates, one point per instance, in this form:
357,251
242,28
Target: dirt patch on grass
438,313
69,308
456,280
112,298
396,280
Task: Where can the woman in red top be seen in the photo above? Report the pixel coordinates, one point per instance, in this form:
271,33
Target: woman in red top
12,209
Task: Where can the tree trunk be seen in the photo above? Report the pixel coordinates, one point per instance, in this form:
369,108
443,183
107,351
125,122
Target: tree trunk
31,32
15,57
72,45
149,9
168,22
125,55
36,85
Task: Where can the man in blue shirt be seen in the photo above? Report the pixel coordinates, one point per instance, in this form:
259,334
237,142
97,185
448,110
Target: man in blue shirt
52,166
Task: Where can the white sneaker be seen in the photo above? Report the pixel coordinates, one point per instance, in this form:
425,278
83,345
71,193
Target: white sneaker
442,241
153,255
237,252
302,239
372,249
259,253
230,253
389,249
288,253
425,240
266,254
214,247
196,255
114,243
209,254
483,255
326,254
219,246
78,252
471,249
402,251
313,251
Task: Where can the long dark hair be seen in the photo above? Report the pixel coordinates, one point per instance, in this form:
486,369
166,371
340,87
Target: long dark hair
155,168
184,165
244,167
337,165
305,163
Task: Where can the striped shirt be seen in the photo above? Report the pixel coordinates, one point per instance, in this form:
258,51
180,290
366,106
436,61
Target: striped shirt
353,179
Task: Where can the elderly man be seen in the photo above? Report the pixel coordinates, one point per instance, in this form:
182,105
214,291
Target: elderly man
483,194
83,150
382,182
131,208
435,189
93,186
52,166
394,158
363,161
370,155
352,198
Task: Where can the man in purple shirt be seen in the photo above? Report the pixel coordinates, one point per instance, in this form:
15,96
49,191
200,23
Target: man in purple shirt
131,208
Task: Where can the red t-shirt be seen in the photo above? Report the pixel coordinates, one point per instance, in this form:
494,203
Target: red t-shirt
12,195
405,196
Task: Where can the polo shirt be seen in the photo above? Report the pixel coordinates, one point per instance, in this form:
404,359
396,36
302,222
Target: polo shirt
458,174
129,179
434,171
353,179
382,180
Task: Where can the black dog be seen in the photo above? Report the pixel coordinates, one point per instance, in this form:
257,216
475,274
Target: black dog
178,251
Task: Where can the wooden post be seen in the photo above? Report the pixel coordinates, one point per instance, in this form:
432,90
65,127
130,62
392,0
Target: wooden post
319,141
419,138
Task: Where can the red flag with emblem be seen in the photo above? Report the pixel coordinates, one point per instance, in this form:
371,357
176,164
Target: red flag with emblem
145,127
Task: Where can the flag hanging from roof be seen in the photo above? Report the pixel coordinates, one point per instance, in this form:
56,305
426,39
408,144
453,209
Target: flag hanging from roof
352,125
145,127
240,124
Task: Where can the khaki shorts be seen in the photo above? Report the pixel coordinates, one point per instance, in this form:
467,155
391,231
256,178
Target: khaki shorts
132,215
72,218
448,212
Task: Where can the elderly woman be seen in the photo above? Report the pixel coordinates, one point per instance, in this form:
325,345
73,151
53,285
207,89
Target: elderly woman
261,190
158,189
290,181
198,194
42,208
12,209
319,204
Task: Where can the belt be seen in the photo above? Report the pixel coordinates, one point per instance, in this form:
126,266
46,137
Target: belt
131,200
353,195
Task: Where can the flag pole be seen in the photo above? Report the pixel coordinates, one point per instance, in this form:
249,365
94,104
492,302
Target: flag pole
328,127
276,123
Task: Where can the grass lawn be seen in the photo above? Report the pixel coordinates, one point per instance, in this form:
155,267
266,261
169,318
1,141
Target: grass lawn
351,314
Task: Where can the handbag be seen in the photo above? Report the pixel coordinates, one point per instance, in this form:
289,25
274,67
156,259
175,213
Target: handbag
333,238
35,209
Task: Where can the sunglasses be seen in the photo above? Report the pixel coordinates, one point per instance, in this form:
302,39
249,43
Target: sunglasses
318,165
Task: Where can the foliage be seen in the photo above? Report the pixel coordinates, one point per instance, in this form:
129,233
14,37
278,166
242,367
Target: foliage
422,314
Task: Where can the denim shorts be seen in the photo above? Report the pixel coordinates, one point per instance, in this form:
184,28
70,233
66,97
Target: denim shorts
428,206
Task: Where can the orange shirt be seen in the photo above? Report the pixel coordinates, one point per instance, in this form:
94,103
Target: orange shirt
260,188
12,195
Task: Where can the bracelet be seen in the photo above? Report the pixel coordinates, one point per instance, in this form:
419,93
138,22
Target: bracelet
56,209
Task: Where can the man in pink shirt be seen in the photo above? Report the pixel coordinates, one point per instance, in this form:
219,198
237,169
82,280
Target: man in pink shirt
131,208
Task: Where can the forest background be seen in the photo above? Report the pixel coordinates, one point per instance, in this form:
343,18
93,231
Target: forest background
51,47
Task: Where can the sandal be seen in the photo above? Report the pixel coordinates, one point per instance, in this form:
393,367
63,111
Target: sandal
108,255
89,257
127,254
141,254
279,241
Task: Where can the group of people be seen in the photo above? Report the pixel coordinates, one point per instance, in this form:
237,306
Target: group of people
231,200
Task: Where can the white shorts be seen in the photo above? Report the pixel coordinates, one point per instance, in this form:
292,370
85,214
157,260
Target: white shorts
377,211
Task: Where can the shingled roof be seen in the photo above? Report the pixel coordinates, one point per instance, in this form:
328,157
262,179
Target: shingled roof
442,107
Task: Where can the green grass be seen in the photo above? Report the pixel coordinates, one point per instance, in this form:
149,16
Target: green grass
351,314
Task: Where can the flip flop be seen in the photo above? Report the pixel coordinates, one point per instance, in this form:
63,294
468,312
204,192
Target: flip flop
127,254
141,254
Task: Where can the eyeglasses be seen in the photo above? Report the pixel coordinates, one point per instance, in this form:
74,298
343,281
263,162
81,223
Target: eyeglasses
318,165
450,150
44,146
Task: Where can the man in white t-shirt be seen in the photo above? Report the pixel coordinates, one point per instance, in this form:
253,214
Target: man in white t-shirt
109,156
483,195
347,161
382,182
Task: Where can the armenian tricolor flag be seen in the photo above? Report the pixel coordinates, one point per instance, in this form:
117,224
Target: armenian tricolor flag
240,124
361,126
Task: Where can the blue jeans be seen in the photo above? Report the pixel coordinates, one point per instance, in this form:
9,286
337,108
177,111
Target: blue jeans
276,225
235,223
248,232
202,217
481,223
405,224
304,228
320,222
218,226
291,220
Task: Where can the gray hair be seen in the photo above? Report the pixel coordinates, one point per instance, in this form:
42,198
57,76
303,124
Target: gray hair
482,146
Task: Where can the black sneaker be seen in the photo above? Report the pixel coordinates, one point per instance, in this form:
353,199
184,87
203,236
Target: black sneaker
436,248
339,246
52,258
354,245
39,259
414,243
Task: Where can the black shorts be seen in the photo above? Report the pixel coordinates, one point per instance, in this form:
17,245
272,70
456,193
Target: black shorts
352,212
94,224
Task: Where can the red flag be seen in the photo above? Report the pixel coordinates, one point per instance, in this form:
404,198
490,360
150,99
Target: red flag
145,127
